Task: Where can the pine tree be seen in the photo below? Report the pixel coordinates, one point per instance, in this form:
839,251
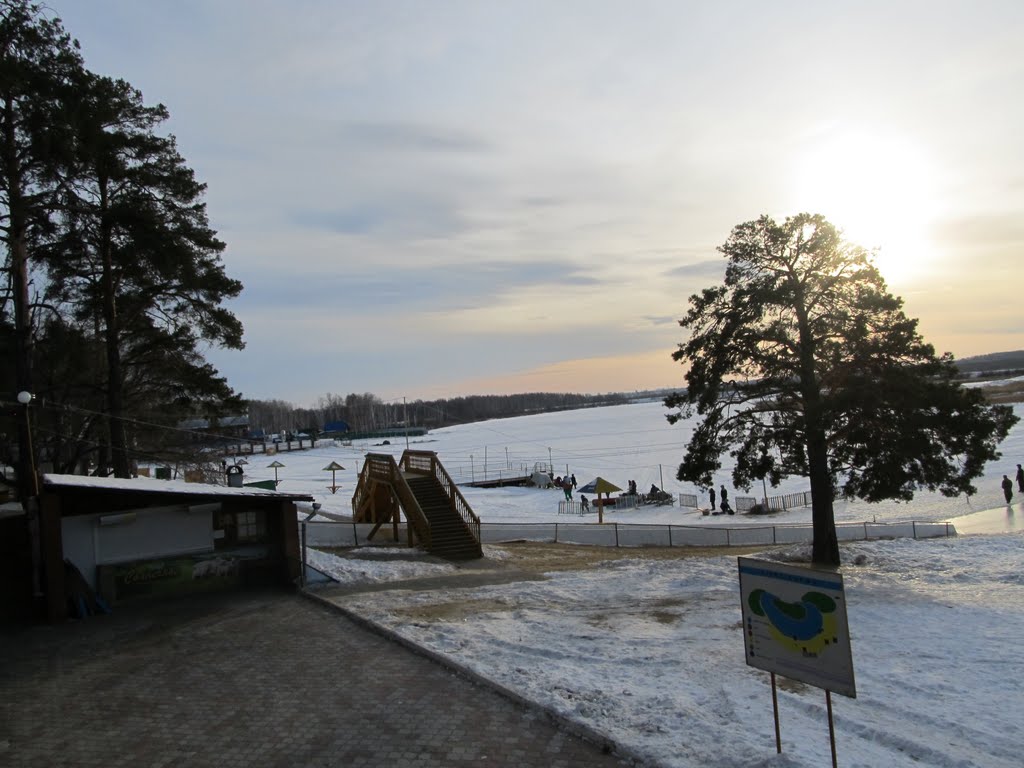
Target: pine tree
138,258
39,68
802,363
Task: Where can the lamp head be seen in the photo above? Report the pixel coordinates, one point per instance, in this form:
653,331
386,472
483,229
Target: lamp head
25,397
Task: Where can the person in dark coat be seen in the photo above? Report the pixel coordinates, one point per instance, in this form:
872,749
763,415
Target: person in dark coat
725,495
1020,479
574,480
1007,488
712,494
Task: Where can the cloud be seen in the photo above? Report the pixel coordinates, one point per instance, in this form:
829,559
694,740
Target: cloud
429,194
410,137
710,269
398,216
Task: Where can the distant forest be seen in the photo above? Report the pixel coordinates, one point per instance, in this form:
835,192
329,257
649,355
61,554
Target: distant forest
367,412
997,362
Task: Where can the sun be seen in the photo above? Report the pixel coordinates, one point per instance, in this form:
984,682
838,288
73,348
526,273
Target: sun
880,191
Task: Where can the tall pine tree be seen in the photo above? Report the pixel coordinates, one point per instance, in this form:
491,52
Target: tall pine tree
803,363
39,69
138,259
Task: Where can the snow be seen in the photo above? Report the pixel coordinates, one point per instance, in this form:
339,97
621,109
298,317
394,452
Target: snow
152,485
650,651
619,443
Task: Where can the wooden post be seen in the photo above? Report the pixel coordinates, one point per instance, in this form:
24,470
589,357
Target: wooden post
831,727
302,574
775,708
52,549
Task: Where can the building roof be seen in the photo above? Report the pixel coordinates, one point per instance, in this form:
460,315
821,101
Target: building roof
224,422
169,488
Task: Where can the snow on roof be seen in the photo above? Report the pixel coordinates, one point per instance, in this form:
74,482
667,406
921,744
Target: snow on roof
152,485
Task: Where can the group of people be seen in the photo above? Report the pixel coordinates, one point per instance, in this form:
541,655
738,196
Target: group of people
723,507
567,484
1008,484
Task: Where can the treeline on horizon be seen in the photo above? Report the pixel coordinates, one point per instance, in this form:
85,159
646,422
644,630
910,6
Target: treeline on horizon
366,412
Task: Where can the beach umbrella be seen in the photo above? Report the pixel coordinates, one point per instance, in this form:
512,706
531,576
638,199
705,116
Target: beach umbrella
333,467
276,465
599,485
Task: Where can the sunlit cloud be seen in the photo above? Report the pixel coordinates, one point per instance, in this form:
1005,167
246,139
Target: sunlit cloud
448,194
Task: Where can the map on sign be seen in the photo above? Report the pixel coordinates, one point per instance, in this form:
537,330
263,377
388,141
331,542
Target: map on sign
794,623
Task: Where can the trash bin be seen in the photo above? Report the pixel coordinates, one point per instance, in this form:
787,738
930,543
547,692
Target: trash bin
163,473
234,476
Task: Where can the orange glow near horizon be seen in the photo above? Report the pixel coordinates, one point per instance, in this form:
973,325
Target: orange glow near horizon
654,369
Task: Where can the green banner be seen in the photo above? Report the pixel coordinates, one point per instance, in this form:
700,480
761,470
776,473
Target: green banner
175,575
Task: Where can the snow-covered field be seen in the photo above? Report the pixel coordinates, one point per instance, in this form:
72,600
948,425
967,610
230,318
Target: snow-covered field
619,443
651,652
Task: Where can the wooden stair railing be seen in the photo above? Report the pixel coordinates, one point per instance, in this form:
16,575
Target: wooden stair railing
382,469
426,462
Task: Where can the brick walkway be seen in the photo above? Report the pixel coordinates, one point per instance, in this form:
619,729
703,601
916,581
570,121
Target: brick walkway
253,679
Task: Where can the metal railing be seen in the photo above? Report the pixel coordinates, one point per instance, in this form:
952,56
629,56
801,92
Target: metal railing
789,501
576,508
688,500
331,534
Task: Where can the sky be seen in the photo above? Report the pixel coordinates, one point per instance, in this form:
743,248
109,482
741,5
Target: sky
438,199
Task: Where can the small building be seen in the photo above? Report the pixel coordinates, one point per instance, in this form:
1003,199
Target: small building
204,430
143,538
335,428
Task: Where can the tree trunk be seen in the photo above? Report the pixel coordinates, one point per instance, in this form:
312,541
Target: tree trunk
115,377
16,234
825,549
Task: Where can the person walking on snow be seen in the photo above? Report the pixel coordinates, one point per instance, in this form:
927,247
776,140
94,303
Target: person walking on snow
712,493
567,487
1020,479
1007,488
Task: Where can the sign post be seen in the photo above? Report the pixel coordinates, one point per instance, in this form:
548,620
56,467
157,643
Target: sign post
794,624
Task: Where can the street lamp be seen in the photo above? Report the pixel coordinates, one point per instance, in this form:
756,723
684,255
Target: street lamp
26,398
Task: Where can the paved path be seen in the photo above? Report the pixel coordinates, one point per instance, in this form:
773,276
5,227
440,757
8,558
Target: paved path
999,520
253,679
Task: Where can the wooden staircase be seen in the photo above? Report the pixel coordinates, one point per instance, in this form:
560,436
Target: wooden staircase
419,486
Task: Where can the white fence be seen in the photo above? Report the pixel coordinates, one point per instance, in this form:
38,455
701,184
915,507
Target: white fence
317,534
688,500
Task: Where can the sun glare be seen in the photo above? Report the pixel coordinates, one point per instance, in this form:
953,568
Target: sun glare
880,192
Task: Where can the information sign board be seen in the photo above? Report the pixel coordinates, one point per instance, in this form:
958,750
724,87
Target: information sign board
794,623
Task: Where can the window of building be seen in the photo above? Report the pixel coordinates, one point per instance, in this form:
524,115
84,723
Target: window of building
249,526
